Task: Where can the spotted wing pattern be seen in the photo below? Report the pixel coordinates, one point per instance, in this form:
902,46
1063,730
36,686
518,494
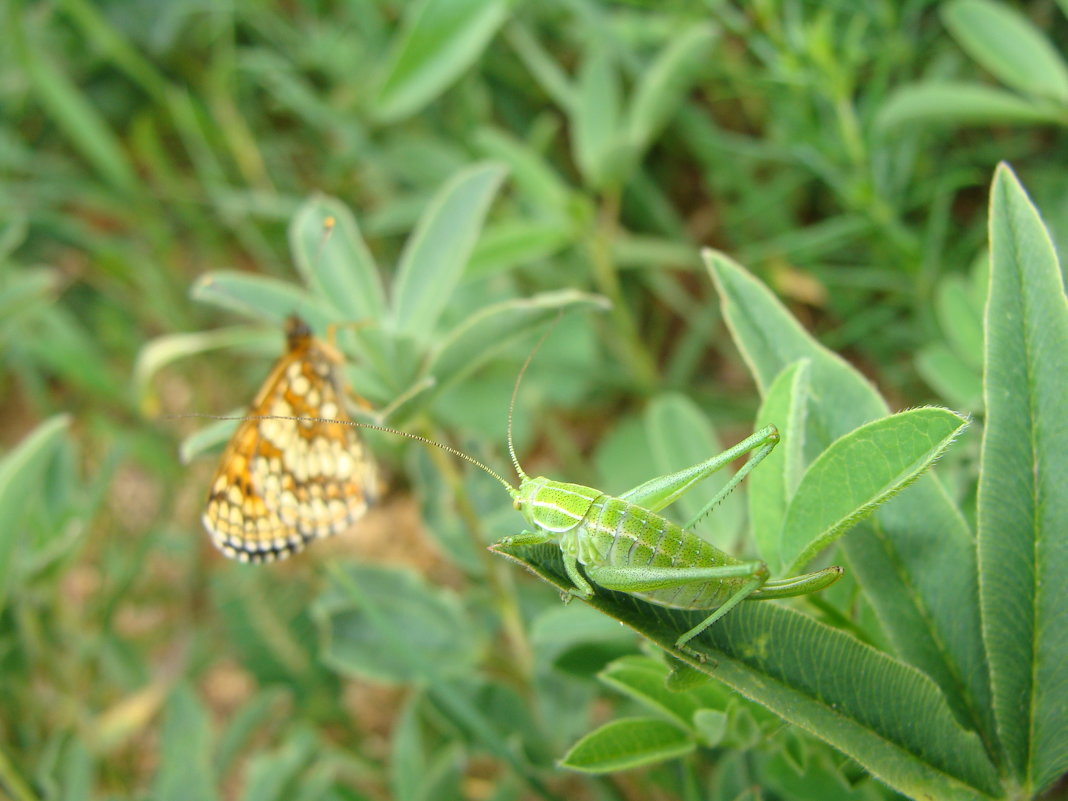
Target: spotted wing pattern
282,483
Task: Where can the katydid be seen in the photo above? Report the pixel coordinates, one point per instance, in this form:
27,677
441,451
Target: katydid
622,543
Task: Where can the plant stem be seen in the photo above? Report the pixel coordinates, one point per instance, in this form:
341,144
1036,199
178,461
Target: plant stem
606,275
498,576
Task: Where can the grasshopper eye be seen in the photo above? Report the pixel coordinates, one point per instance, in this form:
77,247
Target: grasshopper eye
517,504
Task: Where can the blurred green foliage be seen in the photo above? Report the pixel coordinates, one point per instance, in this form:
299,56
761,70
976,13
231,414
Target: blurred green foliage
165,169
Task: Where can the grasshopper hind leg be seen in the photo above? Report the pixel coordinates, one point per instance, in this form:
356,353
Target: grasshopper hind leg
744,592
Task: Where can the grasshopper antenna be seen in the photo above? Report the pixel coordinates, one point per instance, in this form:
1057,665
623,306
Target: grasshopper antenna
515,393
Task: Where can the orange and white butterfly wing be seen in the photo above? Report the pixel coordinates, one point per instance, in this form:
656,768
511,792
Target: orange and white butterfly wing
282,483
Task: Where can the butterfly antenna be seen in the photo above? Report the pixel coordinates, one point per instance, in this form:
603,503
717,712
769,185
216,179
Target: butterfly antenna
515,394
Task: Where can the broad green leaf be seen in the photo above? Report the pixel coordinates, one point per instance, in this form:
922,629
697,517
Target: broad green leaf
773,483
664,83
482,335
961,103
335,262
1023,506
413,631
628,743
261,298
439,40
184,770
886,715
680,435
437,251
859,472
644,680
597,141
1004,41
915,558
21,469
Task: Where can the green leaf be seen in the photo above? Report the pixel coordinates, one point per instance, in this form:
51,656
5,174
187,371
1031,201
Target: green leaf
437,251
597,143
643,680
960,316
886,715
336,263
859,472
1005,42
680,436
167,349
76,774
531,173
482,335
244,725
915,558
21,470
407,765
773,484
412,628
517,242
270,774
961,103
439,40
711,726
950,377
262,298
627,743
185,751
208,439
26,290
664,83
818,780
1023,507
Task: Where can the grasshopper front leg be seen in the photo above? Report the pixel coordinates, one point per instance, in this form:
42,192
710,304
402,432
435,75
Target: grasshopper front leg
662,491
581,587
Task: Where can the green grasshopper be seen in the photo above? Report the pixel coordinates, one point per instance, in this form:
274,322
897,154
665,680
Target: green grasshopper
622,543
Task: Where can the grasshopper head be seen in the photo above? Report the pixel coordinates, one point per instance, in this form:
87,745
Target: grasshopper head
553,505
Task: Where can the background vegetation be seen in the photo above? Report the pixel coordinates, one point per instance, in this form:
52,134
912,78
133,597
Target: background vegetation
165,172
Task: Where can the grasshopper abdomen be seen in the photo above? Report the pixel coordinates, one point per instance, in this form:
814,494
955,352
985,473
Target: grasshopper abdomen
616,534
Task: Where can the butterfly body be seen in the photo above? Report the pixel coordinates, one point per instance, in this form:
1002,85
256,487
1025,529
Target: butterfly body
282,483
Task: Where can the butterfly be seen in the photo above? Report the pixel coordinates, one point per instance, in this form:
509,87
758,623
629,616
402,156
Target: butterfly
283,483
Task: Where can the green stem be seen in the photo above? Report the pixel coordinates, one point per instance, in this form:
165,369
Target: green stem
606,275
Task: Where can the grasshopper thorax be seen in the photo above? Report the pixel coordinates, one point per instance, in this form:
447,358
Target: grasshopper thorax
554,505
